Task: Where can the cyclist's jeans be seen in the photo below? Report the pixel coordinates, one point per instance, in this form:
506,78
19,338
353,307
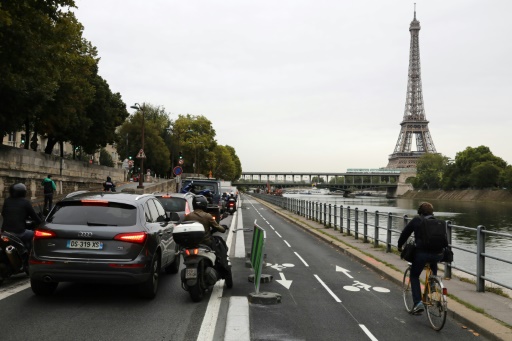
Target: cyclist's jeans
421,258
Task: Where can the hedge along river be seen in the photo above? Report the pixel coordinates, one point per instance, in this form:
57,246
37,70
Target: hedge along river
495,216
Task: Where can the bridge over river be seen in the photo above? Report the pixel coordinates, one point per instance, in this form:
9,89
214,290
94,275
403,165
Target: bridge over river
354,179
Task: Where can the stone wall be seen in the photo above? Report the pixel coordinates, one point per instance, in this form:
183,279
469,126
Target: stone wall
30,167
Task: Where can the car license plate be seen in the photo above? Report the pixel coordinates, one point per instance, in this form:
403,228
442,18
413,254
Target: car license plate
85,244
191,274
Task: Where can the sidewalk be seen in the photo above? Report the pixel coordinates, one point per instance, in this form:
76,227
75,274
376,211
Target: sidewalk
495,323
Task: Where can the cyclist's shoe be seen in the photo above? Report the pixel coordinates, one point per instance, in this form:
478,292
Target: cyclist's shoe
418,308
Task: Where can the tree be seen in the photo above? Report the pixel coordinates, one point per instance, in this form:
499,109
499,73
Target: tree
506,177
65,117
105,158
28,51
223,164
429,171
458,175
194,136
236,160
129,138
484,175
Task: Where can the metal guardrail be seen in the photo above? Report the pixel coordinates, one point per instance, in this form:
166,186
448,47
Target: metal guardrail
386,230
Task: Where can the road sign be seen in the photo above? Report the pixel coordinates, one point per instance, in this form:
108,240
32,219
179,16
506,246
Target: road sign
180,161
177,170
141,155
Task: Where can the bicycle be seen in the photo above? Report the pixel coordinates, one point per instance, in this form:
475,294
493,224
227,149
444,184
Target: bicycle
433,297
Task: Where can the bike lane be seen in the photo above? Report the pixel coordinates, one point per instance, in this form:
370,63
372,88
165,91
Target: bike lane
325,294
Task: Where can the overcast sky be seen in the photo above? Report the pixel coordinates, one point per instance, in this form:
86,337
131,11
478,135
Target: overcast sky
299,85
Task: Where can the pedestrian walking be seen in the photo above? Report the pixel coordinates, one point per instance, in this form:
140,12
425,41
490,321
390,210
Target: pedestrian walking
48,188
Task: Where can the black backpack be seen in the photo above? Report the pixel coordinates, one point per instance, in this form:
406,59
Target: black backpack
433,234
47,187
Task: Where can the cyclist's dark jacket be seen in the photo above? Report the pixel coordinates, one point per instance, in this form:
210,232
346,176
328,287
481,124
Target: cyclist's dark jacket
414,226
15,212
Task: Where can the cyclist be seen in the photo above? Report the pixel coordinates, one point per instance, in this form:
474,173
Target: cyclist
421,256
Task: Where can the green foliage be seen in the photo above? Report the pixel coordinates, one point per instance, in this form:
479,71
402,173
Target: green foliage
129,139
317,179
223,165
337,180
474,167
506,177
484,175
105,158
430,170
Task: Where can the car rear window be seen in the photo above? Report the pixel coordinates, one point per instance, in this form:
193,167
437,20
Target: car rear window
91,214
173,204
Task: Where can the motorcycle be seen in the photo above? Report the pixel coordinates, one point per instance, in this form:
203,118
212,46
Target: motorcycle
231,207
13,254
203,267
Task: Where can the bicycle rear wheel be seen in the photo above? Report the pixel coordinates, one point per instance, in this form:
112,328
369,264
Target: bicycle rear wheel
406,290
437,306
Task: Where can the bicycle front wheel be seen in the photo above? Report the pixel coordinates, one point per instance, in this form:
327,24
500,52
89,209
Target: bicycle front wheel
437,306
406,290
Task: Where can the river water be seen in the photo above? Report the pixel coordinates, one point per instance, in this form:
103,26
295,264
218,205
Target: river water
495,216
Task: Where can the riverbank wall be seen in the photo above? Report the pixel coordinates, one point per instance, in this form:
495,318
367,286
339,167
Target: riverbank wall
502,195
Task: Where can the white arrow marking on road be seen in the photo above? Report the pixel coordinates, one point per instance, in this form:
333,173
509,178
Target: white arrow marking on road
345,271
283,281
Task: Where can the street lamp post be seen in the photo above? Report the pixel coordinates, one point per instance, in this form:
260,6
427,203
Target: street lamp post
141,173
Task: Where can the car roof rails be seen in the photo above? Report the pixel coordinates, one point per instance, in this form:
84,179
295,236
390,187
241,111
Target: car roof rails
72,194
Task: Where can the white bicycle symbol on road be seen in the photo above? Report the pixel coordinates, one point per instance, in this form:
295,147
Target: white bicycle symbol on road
357,286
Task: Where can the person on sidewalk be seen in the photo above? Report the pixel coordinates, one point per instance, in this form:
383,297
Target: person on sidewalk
421,255
48,188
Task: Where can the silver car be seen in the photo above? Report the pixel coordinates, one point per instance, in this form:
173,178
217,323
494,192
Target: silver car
104,237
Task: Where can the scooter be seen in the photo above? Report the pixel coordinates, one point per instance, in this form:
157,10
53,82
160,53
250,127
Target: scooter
203,268
231,206
13,256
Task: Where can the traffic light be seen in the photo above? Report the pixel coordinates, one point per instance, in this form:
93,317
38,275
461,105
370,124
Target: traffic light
129,157
23,138
181,156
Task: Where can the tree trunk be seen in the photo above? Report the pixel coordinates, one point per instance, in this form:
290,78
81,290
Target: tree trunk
50,144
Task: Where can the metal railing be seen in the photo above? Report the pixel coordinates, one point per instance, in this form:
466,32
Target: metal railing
386,231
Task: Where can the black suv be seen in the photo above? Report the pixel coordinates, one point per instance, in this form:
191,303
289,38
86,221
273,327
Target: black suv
198,186
104,237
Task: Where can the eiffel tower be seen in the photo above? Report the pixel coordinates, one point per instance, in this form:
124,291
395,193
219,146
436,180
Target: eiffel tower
414,121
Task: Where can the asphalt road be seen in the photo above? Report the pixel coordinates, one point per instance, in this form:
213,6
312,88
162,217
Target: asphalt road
99,312
325,295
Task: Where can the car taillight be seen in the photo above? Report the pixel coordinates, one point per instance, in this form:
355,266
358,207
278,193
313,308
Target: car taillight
40,262
189,252
135,237
41,234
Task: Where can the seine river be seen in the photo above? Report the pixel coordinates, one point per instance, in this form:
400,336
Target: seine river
495,216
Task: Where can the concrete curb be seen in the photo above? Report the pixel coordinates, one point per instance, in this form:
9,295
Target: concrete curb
488,327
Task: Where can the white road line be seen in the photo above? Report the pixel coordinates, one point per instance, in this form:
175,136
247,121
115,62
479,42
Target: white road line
303,261
287,243
278,234
212,311
237,322
370,335
328,290
14,288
